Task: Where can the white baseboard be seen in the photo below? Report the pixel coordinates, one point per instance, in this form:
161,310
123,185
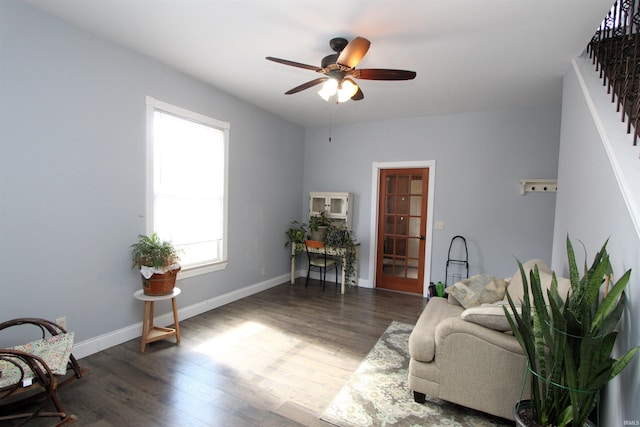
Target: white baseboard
102,342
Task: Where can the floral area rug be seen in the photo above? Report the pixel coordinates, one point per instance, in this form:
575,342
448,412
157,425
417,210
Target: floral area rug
377,394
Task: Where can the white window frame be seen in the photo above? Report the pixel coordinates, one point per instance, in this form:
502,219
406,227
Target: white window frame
153,105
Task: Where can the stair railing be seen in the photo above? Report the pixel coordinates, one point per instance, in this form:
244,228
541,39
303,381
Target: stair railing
615,51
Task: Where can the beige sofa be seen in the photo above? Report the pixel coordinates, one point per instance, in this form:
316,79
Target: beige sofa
469,356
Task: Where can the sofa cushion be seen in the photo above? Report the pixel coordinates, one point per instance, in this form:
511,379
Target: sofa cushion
478,290
422,339
489,315
516,288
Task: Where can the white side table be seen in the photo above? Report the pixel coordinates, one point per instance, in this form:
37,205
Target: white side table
151,333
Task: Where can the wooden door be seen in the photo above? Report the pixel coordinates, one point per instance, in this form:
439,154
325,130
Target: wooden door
402,223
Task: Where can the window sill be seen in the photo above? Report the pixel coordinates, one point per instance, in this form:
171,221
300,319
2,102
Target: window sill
198,270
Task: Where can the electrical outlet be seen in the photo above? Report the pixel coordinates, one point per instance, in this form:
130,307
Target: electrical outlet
439,225
62,321
263,271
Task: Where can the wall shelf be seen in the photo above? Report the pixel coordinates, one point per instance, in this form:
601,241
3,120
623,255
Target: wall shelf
538,186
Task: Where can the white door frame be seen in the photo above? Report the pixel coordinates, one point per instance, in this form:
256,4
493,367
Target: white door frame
373,233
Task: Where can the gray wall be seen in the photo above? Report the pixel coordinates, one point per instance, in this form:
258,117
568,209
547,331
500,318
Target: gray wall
72,175
590,208
480,159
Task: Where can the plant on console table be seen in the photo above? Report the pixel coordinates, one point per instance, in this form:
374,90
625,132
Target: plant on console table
158,262
341,237
296,235
319,226
568,343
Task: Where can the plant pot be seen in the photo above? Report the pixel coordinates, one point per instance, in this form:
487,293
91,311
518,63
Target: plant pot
523,415
319,234
520,411
160,284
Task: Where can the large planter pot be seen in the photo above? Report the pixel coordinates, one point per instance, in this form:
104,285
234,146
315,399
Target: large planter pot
319,234
524,416
160,284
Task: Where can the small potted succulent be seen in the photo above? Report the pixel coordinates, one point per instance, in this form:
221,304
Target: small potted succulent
158,262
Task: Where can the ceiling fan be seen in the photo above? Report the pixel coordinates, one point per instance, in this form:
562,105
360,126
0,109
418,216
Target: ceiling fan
339,71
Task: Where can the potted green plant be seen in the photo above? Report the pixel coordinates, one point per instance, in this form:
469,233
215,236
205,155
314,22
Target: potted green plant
296,235
158,261
341,237
568,343
318,226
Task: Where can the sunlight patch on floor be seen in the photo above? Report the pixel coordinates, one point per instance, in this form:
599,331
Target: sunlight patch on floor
278,363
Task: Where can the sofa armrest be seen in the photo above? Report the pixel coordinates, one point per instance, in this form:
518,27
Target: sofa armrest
455,325
422,338
479,367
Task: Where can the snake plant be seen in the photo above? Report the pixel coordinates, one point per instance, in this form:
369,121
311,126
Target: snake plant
568,343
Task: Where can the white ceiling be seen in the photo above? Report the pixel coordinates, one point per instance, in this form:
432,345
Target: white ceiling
470,55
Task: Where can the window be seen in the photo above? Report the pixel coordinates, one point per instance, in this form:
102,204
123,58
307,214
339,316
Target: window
187,155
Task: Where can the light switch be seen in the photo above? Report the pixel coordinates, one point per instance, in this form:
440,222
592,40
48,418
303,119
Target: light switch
439,225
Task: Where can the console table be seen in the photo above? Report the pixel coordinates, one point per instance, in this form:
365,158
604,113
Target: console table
338,252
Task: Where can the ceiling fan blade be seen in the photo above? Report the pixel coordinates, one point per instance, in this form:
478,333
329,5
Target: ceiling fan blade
294,64
306,85
383,74
353,52
358,95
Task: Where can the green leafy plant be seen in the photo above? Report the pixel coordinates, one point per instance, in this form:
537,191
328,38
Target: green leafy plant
341,237
568,344
151,251
317,221
296,233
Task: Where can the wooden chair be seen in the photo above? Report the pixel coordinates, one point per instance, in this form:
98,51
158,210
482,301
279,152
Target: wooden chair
318,260
28,381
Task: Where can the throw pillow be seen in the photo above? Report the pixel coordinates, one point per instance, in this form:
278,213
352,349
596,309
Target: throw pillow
516,288
478,289
489,315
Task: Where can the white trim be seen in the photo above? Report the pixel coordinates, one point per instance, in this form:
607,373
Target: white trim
152,105
623,185
102,342
373,233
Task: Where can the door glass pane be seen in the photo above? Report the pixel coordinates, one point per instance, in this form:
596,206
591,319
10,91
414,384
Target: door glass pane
416,184
388,224
401,247
388,246
403,184
414,226
391,184
387,264
399,268
403,205
401,226
391,204
414,248
416,205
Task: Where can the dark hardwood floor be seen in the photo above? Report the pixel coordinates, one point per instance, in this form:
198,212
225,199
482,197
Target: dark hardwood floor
276,358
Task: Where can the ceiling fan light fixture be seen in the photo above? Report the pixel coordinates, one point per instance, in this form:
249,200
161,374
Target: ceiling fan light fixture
346,90
329,88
